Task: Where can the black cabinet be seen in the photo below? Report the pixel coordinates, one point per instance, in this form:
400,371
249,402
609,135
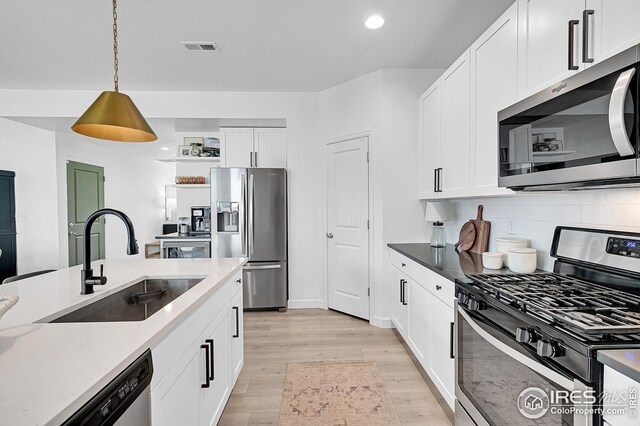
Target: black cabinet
7,225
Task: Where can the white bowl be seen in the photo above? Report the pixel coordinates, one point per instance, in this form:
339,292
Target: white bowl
523,260
503,244
492,260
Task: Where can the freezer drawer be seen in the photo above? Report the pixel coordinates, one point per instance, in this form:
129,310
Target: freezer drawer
265,285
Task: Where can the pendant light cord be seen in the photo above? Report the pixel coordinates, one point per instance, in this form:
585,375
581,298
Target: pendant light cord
115,46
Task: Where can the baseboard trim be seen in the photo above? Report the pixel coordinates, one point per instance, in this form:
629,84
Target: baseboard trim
381,322
307,304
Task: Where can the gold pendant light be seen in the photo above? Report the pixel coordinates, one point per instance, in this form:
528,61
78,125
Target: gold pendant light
113,115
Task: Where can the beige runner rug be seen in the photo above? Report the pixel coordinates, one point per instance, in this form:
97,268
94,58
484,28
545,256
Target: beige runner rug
337,393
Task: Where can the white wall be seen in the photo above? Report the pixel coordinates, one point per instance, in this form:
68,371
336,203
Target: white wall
303,154
133,184
29,152
536,216
384,103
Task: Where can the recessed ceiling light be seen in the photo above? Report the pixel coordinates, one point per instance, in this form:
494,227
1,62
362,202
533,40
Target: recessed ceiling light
374,22
165,148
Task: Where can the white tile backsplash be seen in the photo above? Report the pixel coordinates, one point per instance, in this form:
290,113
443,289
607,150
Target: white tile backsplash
537,215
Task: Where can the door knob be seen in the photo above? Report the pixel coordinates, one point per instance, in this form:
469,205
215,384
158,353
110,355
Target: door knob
73,234
329,235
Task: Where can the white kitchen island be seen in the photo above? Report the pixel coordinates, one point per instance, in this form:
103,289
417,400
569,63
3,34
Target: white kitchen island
49,370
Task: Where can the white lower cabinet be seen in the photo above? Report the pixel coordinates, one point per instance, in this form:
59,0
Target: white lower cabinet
418,321
625,391
441,362
236,325
426,319
193,379
398,308
218,388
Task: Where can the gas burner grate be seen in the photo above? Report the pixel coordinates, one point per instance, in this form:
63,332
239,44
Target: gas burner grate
587,307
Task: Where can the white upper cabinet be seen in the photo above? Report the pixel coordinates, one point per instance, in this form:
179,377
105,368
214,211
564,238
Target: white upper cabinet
454,147
248,147
429,144
236,147
270,147
612,26
549,42
494,85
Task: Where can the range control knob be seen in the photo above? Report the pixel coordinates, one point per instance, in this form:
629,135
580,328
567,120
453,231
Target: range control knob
526,335
475,305
549,349
462,298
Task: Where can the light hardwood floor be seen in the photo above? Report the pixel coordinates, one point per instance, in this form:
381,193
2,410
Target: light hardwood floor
273,339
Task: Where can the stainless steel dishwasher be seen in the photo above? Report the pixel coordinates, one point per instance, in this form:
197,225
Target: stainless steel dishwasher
125,401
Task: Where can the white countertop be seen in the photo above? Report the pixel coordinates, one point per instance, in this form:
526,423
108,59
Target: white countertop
48,371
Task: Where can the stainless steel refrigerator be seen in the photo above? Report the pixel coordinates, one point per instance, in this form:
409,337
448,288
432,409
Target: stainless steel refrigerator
249,219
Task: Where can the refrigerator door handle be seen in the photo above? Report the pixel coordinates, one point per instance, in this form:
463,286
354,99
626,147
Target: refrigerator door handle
250,213
244,213
259,267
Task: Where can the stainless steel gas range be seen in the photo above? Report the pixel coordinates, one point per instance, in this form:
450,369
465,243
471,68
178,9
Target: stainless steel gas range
526,344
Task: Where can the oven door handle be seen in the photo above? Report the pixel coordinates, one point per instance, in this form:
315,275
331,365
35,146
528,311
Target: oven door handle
546,372
616,114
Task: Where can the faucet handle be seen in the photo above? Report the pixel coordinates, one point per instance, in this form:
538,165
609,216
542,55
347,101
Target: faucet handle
102,270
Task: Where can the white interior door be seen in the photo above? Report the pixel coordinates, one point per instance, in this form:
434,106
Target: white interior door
347,175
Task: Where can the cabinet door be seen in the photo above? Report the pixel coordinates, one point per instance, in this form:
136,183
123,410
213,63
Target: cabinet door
236,331
543,42
398,309
494,84
175,401
417,321
214,398
271,148
612,27
237,147
455,129
429,148
440,347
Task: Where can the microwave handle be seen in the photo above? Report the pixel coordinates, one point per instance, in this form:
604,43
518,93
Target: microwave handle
616,114
546,372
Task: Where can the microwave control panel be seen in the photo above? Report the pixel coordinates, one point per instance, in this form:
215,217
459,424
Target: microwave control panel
623,247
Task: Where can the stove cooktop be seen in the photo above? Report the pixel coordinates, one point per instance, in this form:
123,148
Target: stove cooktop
580,305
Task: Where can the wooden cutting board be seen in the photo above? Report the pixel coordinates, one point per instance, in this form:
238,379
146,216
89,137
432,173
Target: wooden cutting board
481,243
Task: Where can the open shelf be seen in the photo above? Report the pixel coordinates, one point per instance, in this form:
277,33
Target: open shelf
190,185
190,160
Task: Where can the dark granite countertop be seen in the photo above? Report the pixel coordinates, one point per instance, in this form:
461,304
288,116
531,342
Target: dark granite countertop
177,236
445,261
625,361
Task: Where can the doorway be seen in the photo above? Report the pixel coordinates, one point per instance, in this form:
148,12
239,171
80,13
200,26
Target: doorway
85,195
347,203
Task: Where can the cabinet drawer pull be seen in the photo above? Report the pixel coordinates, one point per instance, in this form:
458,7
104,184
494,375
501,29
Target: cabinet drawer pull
435,180
212,358
438,287
207,360
402,291
251,159
572,26
237,333
451,335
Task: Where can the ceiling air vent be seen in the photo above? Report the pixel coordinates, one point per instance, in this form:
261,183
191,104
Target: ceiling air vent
200,45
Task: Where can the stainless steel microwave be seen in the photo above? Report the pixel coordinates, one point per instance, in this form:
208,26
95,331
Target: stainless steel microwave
580,133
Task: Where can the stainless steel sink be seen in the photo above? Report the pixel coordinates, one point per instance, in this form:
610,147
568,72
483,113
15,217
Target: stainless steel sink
137,302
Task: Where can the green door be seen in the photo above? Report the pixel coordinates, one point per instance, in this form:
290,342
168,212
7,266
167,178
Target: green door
85,194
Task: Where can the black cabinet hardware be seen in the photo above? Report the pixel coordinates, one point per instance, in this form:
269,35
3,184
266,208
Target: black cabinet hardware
401,291
585,35
251,159
255,161
237,333
451,333
435,180
438,179
438,287
212,358
207,360
572,33
404,264
404,296
239,280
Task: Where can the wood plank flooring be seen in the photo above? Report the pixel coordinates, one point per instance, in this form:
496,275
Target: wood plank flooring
272,339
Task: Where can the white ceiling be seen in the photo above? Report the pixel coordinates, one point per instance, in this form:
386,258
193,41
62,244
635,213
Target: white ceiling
265,45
